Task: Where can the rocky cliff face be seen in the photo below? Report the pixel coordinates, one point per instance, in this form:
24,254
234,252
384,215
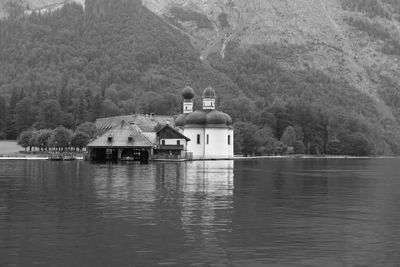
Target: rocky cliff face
319,31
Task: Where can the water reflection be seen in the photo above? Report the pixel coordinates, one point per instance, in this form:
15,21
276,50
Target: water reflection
193,200
278,212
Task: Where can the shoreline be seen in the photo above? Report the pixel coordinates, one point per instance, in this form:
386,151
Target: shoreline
45,157
11,157
30,156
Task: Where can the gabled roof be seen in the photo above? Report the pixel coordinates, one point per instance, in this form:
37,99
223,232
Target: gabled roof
146,123
120,137
167,132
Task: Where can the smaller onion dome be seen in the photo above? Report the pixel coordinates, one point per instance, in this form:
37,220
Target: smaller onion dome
209,92
188,93
197,117
180,120
216,117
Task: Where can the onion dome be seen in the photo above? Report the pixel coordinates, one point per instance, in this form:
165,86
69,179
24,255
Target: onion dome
188,93
180,120
209,92
216,117
197,117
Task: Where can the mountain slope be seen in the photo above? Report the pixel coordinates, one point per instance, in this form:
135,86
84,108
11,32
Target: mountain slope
319,29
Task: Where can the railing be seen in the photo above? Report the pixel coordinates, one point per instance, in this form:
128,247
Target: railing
181,155
166,156
170,147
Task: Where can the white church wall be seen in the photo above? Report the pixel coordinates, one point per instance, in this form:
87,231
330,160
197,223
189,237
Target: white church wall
192,146
230,146
217,146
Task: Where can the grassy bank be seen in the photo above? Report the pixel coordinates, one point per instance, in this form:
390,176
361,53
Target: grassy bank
8,148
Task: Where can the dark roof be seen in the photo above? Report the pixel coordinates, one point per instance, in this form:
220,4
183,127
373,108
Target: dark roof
180,120
196,117
169,132
145,122
120,137
188,93
213,118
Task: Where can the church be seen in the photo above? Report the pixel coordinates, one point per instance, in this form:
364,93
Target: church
194,134
210,130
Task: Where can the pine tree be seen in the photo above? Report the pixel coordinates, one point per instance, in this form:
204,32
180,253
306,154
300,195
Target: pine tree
24,115
9,125
50,115
3,115
97,108
289,136
64,96
38,96
80,111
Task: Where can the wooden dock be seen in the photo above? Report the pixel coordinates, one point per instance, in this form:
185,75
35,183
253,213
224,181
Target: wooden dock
61,157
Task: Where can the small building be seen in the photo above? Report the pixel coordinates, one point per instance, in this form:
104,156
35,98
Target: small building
123,142
171,144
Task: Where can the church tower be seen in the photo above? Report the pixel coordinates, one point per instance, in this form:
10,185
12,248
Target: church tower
209,98
188,95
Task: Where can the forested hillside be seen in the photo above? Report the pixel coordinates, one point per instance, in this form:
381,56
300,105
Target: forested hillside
76,65
82,66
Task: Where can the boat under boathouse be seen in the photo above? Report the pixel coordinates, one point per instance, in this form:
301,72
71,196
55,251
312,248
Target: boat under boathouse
123,142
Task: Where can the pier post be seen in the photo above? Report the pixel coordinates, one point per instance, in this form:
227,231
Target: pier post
119,154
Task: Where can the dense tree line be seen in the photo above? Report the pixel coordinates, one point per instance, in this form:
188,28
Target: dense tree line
59,138
391,44
296,111
390,93
374,29
394,6
373,8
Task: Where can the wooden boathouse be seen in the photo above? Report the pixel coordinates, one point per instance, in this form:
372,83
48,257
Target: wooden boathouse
125,141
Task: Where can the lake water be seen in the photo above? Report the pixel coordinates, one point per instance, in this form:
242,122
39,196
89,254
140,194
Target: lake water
284,212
